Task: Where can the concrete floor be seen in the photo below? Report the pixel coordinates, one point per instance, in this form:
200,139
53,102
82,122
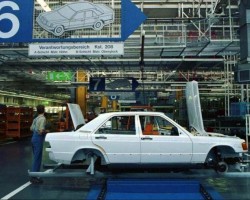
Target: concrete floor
15,160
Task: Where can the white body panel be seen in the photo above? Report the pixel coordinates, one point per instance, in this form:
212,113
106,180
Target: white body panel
194,108
160,150
120,146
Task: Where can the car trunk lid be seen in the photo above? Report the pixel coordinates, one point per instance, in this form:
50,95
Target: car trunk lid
76,115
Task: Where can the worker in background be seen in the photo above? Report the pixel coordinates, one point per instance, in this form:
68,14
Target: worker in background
38,136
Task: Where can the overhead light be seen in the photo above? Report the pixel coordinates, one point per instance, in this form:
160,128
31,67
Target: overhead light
217,89
172,90
6,92
44,5
178,84
215,85
14,94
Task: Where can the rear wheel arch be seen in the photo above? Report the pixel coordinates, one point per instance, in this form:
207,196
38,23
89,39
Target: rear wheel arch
82,154
98,25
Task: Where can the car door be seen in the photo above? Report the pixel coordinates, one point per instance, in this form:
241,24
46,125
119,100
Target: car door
162,142
90,17
77,20
119,140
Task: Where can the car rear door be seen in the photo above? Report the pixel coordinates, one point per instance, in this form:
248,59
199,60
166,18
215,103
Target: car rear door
119,139
90,17
165,143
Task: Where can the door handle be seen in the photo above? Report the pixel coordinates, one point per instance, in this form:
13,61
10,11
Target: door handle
146,138
101,137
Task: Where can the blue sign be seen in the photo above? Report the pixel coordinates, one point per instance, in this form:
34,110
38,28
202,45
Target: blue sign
114,97
16,21
97,84
28,21
117,85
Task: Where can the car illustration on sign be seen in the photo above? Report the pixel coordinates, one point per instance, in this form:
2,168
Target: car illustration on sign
141,139
77,15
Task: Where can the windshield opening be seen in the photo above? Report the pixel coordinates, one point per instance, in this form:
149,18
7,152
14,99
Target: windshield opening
66,12
79,126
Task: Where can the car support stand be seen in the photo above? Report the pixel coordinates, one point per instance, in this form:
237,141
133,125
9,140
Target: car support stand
58,170
91,168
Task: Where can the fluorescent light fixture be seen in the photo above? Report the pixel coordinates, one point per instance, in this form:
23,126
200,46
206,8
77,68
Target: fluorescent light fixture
44,5
178,84
6,92
173,90
14,94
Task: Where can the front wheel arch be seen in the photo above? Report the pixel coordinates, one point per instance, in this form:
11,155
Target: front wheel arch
222,167
59,30
218,154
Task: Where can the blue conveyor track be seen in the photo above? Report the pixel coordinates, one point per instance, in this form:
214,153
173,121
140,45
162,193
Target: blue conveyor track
152,189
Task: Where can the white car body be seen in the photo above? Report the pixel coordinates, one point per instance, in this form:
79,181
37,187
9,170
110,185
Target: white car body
128,142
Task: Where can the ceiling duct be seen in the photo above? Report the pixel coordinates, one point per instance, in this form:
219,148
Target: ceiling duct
242,71
245,31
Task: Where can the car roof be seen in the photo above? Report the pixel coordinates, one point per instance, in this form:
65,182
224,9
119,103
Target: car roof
81,6
124,113
95,123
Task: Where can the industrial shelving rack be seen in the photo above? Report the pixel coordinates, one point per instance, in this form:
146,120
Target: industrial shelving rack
19,120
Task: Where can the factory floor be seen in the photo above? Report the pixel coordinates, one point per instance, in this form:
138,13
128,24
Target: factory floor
16,158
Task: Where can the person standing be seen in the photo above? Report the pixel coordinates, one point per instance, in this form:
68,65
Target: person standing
37,140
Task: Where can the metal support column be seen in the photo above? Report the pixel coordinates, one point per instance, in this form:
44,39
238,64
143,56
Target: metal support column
104,103
81,91
114,105
247,128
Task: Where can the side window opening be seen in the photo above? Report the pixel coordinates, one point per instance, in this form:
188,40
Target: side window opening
89,14
79,16
155,125
119,125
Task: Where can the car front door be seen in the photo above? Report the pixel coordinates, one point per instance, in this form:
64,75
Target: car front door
162,142
119,140
77,20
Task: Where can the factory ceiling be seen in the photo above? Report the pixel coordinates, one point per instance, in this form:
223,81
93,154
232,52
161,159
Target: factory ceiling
187,37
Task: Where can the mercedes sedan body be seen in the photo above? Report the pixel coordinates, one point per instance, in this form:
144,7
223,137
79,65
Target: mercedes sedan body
142,139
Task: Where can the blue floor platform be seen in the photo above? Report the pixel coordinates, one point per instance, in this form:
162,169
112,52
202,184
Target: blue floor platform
152,189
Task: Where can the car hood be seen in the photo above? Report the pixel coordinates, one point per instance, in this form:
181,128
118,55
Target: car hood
194,108
76,115
52,16
212,134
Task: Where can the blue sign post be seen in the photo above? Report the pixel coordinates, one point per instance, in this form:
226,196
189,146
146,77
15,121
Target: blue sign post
18,22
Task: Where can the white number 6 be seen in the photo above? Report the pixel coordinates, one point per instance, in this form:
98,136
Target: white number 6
14,20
